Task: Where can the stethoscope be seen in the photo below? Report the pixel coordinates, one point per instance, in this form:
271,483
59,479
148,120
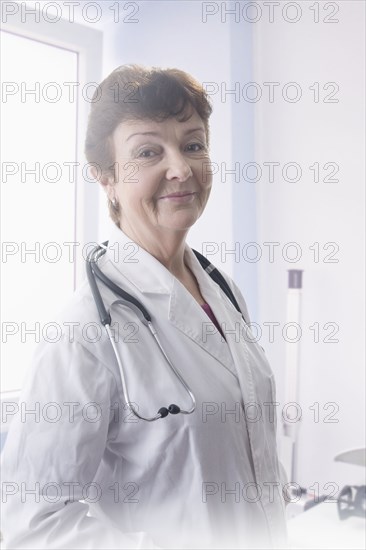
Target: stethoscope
94,272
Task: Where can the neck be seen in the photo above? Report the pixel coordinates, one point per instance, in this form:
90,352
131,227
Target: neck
167,246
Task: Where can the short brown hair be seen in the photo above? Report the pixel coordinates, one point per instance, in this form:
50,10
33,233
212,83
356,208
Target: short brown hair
134,92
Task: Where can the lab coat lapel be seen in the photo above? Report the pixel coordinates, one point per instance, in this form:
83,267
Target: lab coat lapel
189,317
239,350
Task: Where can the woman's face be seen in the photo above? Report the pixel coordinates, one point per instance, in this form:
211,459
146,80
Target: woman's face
163,177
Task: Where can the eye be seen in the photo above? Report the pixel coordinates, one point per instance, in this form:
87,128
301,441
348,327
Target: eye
146,153
195,147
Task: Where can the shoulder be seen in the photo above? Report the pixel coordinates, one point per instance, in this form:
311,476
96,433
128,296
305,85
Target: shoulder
73,342
77,317
78,320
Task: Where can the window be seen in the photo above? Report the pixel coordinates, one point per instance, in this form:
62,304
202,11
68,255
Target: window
43,194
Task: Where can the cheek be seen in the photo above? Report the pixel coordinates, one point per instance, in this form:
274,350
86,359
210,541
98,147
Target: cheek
138,187
204,173
128,176
206,183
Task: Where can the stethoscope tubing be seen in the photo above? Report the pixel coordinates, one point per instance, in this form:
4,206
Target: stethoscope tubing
94,272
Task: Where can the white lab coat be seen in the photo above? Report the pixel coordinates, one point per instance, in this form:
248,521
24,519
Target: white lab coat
83,472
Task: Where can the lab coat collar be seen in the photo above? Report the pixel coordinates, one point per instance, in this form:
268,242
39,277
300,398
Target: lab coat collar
140,267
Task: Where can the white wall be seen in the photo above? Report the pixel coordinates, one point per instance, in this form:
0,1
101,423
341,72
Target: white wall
307,212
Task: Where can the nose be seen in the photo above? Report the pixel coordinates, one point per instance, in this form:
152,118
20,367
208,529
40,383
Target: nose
178,167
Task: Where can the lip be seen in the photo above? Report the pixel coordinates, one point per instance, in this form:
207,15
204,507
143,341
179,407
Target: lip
181,196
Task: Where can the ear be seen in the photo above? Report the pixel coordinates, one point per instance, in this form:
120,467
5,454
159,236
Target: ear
106,181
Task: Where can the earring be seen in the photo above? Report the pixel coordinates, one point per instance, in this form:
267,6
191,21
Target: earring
114,202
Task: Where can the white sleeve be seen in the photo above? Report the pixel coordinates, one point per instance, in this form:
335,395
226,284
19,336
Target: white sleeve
45,461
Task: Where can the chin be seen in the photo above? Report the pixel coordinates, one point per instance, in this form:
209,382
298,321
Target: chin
182,228
182,224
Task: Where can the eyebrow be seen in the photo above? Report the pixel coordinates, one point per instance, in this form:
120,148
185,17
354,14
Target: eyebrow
157,134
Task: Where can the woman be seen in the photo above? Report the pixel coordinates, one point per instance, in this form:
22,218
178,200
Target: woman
102,477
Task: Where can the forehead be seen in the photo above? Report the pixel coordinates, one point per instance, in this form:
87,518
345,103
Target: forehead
128,128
